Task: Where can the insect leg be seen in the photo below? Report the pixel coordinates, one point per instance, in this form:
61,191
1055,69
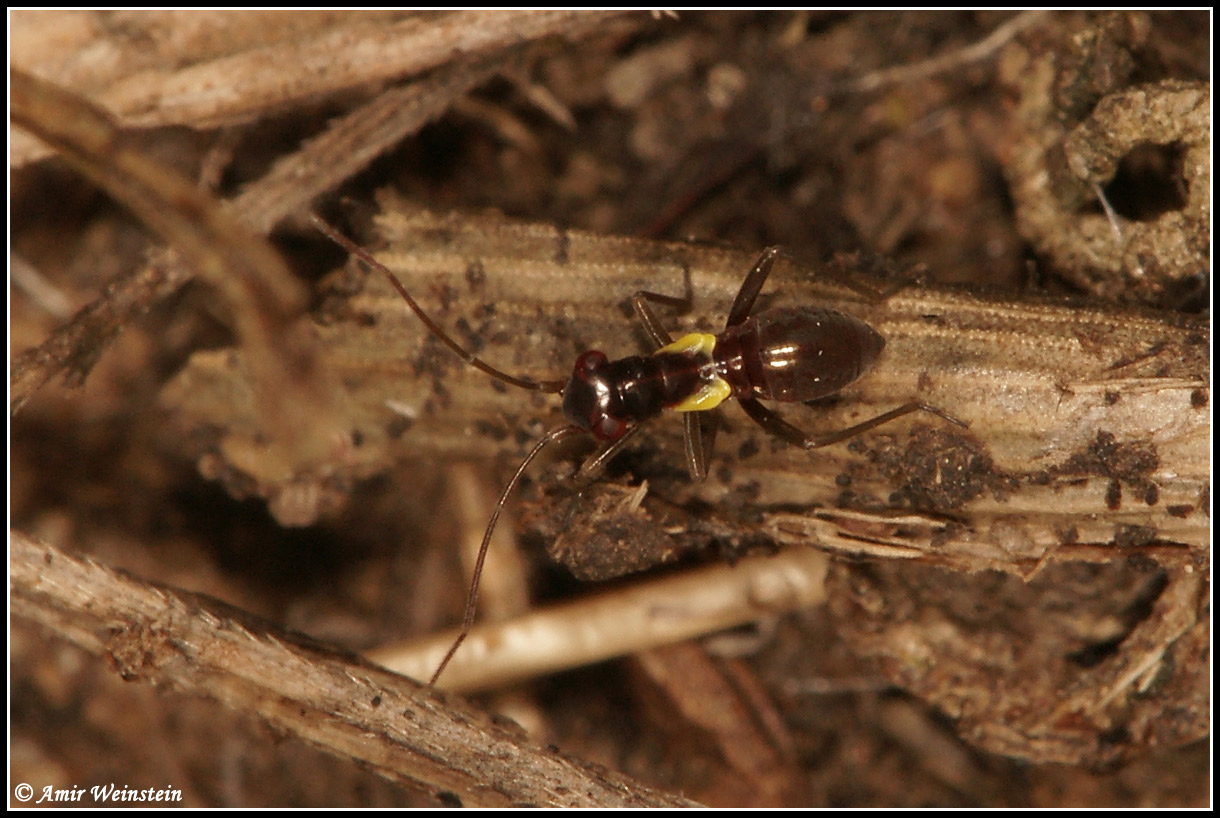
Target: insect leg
754,280
774,424
596,464
656,330
751,286
696,450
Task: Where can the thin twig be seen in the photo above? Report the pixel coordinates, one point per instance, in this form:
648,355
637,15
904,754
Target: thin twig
264,299
926,68
331,699
628,620
202,85
352,141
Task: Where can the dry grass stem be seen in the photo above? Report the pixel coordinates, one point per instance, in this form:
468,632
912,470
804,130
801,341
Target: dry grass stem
630,620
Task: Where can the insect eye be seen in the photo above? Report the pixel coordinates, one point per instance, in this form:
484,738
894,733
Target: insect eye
609,428
590,361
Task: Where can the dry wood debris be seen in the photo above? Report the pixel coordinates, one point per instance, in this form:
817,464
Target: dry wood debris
206,397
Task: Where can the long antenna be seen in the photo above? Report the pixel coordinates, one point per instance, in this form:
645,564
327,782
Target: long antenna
467,356
470,358
473,594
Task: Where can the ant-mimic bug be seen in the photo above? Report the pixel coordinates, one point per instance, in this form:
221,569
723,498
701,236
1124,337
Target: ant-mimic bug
791,354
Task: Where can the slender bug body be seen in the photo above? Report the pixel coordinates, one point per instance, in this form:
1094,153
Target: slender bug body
793,354
788,355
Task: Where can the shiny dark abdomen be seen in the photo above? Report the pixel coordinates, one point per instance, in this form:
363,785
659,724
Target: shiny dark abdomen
796,354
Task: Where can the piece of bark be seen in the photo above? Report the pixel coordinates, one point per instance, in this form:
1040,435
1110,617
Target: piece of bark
1088,426
211,69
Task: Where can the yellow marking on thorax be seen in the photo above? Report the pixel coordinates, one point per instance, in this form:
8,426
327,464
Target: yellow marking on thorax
712,393
701,342
709,396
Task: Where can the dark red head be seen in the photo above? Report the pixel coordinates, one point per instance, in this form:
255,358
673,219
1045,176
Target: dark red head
587,398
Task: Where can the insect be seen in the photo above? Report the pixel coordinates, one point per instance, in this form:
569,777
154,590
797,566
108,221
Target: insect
792,354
